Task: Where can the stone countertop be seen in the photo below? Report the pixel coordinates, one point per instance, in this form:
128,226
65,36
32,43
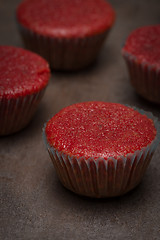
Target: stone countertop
33,204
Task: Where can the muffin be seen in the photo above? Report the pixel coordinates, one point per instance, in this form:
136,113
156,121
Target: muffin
142,55
101,149
23,78
68,33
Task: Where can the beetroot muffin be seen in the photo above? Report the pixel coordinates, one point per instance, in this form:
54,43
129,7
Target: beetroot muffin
23,79
68,33
142,54
101,149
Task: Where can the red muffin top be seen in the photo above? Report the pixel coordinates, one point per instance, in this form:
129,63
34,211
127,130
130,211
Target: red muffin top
66,18
21,72
99,130
144,44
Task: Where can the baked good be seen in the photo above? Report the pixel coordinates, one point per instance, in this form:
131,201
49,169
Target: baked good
101,149
141,52
23,78
68,33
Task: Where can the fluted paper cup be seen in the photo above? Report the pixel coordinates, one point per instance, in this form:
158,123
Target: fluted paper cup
64,53
103,177
144,78
16,113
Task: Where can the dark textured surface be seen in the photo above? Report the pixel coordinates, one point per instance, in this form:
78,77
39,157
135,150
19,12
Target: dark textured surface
33,204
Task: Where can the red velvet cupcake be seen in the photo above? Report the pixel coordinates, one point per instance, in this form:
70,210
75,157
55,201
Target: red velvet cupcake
23,78
101,149
68,33
142,54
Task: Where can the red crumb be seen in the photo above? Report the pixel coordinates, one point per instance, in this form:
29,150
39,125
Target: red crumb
99,129
144,44
21,72
66,18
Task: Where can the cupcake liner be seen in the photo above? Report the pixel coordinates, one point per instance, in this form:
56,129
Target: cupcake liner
63,53
99,177
144,78
15,113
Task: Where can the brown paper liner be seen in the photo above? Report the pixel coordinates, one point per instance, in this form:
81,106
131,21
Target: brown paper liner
16,113
62,53
144,78
100,177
